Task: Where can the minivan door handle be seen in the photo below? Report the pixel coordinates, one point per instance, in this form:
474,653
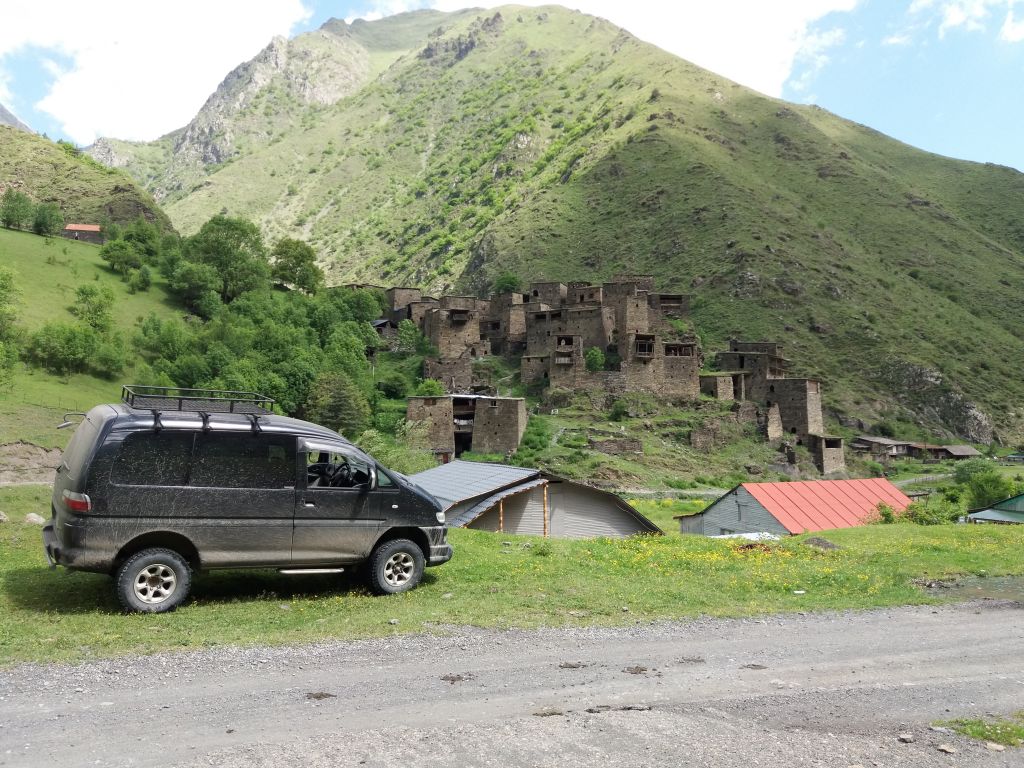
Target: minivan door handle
308,504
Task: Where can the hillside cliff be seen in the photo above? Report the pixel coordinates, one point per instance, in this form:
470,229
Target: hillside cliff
85,191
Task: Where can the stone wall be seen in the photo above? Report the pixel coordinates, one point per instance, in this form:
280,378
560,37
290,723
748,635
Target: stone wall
829,456
552,294
456,374
455,332
718,387
437,413
533,368
799,402
773,429
498,424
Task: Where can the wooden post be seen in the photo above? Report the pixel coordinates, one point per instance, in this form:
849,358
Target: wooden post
545,510
501,515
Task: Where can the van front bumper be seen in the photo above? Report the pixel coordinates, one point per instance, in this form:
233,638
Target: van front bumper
440,553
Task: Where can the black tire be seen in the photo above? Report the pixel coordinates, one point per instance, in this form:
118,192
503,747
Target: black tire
395,566
153,581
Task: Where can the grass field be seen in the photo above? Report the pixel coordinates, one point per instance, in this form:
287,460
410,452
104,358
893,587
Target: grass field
493,581
46,273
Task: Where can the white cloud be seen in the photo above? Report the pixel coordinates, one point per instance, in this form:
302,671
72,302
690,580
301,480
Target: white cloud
1012,31
138,70
901,39
971,15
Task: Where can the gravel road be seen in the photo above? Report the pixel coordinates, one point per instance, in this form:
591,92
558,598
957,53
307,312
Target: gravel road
830,690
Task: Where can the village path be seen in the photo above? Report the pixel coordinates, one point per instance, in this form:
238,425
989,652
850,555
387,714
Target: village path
834,689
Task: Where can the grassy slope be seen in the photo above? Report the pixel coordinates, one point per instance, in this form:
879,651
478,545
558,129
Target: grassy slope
47,271
543,152
65,616
85,190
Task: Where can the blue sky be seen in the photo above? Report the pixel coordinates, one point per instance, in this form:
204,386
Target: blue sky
943,75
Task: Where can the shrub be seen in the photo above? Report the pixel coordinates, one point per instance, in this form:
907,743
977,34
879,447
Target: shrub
619,410
48,219
986,488
62,348
139,279
393,385
876,469
886,514
968,468
595,359
936,511
430,388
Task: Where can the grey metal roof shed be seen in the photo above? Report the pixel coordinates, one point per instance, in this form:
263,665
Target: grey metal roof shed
498,497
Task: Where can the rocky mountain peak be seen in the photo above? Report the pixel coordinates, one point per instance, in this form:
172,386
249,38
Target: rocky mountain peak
9,118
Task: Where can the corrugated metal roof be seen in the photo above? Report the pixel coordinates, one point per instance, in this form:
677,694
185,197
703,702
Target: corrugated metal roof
468,516
461,480
82,227
961,450
823,504
997,516
1012,504
881,440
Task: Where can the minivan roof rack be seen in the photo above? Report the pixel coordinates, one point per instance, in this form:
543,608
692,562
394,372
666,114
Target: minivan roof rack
157,399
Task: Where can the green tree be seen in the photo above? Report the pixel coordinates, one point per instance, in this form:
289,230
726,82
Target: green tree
408,336
393,385
506,282
430,388
62,348
233,249
294,263
595,359
336,402
139,279
986,488
144,237
15,209
121,255
197,285
94,306
8,316
968,468
48,219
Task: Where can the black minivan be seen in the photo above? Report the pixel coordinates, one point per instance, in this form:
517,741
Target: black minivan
171,481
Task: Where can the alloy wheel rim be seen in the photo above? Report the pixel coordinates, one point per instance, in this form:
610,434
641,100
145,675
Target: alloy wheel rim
155,583
398,569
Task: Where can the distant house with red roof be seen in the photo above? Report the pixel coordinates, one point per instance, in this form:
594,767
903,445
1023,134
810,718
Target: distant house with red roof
89,233
797,507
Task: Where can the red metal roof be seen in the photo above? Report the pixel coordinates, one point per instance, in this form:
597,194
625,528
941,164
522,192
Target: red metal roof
82,227
822,504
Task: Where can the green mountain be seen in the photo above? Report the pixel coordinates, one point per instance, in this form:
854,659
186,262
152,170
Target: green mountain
557,146
86,191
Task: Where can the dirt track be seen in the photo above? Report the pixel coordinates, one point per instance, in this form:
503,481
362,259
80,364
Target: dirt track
818,690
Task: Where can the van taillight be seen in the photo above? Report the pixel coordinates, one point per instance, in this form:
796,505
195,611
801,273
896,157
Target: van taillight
76,502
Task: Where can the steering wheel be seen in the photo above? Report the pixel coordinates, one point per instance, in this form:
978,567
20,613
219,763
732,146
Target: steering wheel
341,476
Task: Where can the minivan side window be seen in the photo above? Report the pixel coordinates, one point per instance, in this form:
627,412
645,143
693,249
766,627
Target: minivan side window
153,458
243,460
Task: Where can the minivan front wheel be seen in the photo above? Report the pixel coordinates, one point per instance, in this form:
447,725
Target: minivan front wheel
153,581
396,566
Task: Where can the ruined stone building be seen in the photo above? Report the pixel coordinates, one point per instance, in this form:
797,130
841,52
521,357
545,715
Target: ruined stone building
646,343
629,323
757,371
459,423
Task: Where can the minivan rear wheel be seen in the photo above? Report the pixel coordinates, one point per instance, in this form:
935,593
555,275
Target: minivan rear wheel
395,566
153,581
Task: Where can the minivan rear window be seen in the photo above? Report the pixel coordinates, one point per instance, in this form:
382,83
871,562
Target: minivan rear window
82,441
243,460
153,458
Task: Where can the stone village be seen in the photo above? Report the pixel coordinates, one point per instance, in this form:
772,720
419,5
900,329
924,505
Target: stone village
646,345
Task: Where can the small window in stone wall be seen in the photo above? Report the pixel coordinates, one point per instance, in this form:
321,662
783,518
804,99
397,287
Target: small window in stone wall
494,403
